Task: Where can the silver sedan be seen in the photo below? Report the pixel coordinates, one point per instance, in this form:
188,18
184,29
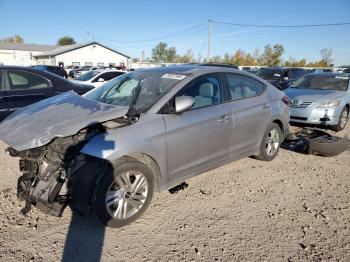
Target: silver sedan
145,131
321,98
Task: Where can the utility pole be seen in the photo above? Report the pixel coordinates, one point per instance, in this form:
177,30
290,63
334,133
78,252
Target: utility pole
209,40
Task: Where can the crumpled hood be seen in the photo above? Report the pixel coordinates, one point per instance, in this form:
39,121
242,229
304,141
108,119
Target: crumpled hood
312,95
59,116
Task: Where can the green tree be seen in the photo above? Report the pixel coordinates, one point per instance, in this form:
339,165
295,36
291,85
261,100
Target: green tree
249,60
188,57
272,56
13,39
171,55
216,59
227,58
161,53
66,40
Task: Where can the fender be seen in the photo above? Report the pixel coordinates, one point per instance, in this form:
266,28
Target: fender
126,141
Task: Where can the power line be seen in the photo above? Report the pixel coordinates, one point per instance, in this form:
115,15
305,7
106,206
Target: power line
281,26
153,39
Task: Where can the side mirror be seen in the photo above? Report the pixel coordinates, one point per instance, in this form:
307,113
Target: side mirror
100,79
285,78
182,103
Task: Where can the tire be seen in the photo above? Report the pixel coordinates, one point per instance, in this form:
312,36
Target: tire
267,153
343,118
117,204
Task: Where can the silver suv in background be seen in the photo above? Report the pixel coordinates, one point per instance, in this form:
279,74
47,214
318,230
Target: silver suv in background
108,151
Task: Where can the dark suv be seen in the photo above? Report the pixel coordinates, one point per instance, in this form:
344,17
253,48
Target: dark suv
281,77
57,70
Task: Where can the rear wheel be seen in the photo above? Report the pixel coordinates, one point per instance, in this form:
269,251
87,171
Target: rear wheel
270,143
124,193
343,119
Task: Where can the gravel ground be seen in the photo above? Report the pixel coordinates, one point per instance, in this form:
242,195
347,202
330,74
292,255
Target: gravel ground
295,208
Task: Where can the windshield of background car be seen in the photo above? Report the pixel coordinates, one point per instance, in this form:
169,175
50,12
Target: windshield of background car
269,74
153,85
87,76
323,82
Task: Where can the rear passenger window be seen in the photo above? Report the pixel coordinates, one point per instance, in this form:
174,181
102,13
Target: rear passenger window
242,87
206,91
26,80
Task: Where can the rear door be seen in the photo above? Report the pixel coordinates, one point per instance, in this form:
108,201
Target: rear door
201,137
250,110
25,88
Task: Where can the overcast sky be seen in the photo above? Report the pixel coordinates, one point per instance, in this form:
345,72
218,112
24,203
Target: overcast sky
127,25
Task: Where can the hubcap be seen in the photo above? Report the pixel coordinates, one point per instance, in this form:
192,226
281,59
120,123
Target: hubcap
272,142
343,119
126,195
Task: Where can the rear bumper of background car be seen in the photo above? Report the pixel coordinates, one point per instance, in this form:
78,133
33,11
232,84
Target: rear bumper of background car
317,116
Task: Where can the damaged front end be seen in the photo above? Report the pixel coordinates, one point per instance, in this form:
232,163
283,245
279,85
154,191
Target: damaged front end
47,137
57,174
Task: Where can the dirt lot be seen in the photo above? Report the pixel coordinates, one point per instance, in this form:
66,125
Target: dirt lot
295,208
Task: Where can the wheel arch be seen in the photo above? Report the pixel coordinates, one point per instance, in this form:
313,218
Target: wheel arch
279,123
151,163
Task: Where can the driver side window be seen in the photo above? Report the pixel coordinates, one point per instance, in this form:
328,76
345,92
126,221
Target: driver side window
206,91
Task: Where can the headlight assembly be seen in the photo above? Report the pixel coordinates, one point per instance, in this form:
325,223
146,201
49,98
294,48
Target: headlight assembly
329,103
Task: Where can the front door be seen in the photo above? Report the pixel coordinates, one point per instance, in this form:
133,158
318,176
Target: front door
201,137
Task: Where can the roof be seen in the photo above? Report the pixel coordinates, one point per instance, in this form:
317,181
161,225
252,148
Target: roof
26,47
67,48
194,69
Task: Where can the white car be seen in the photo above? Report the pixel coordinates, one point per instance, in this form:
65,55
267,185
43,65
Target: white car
98,77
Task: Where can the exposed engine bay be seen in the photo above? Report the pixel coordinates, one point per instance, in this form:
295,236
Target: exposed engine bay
52,172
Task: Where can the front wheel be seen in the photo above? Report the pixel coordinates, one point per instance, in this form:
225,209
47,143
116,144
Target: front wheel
270,143
343,119
124,193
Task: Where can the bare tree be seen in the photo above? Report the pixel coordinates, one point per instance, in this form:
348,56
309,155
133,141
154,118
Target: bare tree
326,54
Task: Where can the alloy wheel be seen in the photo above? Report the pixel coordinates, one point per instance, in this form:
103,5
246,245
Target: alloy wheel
272,142
343,119
126,195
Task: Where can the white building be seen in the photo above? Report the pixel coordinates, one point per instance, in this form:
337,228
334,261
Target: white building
21,54
91,53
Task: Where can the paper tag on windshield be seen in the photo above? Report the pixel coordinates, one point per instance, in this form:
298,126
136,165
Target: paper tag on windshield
173,76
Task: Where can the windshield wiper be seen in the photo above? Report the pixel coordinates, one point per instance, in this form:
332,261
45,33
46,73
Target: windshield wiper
132,112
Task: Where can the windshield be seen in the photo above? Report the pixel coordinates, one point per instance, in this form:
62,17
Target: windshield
153,85
323,82
270,74
87,76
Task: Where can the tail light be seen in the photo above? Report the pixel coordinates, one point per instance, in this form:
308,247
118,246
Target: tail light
286,100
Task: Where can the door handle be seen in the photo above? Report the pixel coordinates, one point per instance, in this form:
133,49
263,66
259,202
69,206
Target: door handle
224,118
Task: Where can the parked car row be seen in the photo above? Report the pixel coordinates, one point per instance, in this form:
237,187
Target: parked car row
98,77
281,77
77,72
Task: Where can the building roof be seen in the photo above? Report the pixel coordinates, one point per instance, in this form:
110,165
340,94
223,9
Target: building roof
67,48
26,47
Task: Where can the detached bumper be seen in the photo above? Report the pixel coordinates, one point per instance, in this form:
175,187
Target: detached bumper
318,116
